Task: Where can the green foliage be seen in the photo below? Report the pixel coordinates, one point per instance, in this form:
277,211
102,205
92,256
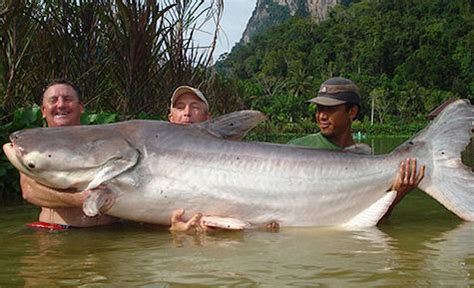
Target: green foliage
408,56
99,118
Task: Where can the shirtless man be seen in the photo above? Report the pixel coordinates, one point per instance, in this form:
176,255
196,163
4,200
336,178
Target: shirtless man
61,106
188,105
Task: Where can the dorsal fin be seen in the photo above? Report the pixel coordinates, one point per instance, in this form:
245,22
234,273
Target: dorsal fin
233,126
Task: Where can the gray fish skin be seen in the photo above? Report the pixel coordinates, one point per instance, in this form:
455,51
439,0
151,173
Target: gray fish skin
294,186
154,168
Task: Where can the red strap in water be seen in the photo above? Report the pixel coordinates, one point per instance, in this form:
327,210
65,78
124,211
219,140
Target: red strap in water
46,225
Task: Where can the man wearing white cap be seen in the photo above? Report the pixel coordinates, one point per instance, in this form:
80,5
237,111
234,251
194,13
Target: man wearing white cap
337,105
188,105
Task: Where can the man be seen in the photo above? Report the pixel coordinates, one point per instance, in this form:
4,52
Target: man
188,106
337,105
61,106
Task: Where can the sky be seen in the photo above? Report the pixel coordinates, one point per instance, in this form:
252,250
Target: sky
234,20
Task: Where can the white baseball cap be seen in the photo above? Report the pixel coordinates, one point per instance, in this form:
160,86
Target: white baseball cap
187,89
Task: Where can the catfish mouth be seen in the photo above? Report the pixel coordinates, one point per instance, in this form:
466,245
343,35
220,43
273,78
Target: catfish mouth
14,154
19,151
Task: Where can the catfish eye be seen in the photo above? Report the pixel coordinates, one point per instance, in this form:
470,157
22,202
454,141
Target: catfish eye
31,165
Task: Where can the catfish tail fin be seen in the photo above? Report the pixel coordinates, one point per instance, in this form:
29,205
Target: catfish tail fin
447,179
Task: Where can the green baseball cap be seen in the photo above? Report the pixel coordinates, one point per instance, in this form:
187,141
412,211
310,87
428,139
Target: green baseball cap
336,91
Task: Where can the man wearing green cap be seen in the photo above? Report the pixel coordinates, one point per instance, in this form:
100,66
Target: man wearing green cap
337,105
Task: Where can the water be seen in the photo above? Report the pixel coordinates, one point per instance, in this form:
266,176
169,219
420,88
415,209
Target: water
422,245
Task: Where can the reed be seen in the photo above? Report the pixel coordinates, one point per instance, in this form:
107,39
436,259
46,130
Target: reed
126,55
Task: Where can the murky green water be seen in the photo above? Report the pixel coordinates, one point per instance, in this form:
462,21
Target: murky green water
422,245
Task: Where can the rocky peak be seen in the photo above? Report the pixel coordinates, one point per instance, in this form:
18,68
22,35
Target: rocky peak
268,13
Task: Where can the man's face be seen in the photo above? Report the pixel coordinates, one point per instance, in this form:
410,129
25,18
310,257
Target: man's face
187,109
334,120
61,106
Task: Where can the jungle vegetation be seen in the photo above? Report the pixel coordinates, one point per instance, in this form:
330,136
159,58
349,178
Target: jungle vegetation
407,57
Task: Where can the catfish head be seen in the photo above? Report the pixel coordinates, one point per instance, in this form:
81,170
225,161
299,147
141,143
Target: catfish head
80,157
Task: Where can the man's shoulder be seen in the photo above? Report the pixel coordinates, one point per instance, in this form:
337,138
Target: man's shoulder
318,141
304,140
315,141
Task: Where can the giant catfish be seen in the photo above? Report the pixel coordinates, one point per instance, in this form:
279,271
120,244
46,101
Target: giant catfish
152,168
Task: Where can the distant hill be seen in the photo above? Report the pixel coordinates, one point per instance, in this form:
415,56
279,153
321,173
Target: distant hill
269,13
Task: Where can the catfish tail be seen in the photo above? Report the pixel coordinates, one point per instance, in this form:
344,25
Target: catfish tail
439,147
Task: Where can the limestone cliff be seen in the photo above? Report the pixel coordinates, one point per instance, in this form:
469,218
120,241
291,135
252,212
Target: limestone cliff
268,13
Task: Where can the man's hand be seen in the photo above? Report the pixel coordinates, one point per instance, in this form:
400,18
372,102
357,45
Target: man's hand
407,177
273,227
192,225
76,199
406,180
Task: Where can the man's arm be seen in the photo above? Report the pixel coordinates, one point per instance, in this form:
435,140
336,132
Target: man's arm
406,180
43,196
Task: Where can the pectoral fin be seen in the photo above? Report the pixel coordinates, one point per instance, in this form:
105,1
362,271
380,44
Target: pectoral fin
100,198
225,223
371,215
126,158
